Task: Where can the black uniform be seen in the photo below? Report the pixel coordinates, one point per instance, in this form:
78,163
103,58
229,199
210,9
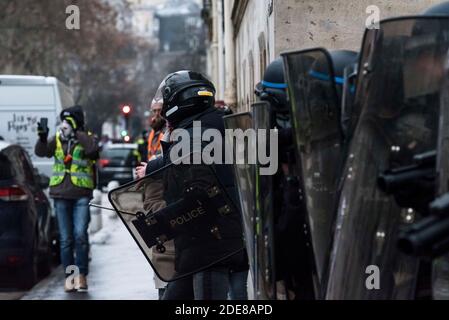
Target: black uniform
188,249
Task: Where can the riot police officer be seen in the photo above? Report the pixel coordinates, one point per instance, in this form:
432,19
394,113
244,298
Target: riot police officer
427,238
291,272
315,79
204,260
396,98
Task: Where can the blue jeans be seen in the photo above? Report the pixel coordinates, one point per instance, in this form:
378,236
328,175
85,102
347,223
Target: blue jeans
238,285
73,220
206,285
211,284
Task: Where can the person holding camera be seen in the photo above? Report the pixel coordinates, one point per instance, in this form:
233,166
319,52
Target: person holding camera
71,186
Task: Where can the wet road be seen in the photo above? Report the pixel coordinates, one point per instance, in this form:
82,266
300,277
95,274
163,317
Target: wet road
11,294
118,270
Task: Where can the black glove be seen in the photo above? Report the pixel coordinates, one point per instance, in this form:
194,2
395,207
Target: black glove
42,132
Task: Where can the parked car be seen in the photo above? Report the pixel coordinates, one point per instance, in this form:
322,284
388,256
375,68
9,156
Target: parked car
117,163
26,226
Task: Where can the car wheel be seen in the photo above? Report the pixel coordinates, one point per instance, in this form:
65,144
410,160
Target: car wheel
29,273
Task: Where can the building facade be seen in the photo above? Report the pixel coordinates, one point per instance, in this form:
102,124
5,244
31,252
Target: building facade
143,20
246,35
180,26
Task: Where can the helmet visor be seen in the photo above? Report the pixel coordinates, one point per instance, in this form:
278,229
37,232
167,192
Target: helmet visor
157,103
158,98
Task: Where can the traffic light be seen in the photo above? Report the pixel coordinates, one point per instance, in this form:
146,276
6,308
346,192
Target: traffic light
126,110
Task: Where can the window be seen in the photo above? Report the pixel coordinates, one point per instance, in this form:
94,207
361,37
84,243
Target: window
28,169
12,154
262,55
244,90
116,153
251,78
5,168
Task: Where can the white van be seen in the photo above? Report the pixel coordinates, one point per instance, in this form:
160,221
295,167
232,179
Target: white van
23,101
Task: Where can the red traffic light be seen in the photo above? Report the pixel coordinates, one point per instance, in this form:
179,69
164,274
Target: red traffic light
126,109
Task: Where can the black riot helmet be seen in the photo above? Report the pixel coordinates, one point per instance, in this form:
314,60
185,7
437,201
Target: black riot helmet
273,87
340,60
184,94
426,51
441,9
425,28
344,66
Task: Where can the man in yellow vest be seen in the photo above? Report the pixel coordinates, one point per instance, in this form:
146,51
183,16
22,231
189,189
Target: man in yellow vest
71,187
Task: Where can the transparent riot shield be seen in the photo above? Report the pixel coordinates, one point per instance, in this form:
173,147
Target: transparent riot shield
443,137
349,114
315,111
265,281
438,238
398,93
181,213
243,147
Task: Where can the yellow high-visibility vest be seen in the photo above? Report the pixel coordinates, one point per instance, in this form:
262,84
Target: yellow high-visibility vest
81,169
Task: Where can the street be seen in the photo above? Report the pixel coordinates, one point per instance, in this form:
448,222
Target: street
118,270
253,150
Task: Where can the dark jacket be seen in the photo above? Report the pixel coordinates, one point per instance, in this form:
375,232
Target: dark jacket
66,190
193,251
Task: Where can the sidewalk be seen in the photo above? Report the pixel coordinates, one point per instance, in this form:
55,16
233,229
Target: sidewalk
118,270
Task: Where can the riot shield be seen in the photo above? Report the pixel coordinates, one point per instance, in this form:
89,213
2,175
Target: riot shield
438,238
315,111
349,114
398,90
265,281
183,216
244,176
443,138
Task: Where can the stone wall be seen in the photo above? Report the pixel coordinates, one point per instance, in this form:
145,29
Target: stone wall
282,25
254,48
334,24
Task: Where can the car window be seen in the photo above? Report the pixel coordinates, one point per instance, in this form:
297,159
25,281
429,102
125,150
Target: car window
27,167
116,153
13,155
5,168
